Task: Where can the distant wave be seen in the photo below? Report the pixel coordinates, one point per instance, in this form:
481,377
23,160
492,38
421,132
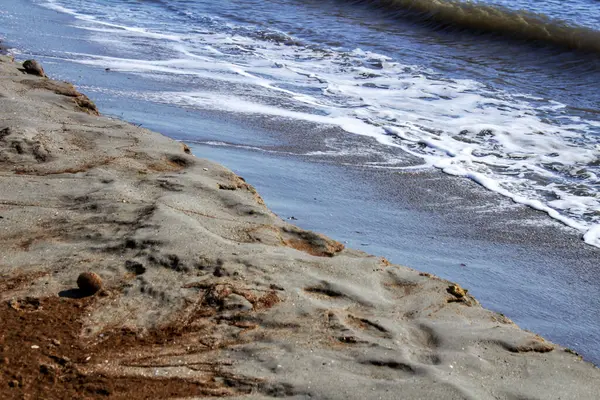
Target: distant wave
484,18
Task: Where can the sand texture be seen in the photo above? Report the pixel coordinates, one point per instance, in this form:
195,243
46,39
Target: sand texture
205,292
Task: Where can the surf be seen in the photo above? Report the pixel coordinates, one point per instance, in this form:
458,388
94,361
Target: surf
485,19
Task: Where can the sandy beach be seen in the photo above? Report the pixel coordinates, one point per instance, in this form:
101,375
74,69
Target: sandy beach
205,292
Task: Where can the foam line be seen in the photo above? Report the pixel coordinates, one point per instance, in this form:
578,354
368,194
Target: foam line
529,149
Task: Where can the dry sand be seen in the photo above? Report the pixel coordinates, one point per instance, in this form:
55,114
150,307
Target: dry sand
208,293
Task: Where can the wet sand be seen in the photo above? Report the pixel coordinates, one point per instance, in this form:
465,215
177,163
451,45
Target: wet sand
516,260
208,293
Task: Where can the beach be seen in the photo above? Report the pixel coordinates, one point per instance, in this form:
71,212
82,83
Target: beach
206,292
361,142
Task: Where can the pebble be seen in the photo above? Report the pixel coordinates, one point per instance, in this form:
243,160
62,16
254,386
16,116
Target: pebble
33,67
457,291
89,282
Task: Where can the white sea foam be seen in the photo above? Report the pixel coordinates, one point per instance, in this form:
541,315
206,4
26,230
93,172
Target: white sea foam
135,31
520,146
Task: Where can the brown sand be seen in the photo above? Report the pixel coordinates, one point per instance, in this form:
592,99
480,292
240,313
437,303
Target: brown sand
206,292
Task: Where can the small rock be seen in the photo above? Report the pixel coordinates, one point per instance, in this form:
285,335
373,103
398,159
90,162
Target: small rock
457,291
89,282
33,67
35,346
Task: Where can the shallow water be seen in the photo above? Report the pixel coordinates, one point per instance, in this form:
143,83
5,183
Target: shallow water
384,92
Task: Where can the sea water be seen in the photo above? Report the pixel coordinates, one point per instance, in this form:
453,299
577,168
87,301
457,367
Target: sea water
503,93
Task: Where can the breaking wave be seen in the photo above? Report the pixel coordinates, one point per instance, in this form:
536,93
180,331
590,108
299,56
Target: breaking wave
491,19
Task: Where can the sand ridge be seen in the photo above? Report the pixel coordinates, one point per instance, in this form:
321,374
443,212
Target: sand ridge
206,292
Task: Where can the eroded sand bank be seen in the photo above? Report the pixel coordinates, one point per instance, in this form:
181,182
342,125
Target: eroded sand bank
206,292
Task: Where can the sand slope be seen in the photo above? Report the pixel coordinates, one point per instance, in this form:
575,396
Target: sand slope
207,293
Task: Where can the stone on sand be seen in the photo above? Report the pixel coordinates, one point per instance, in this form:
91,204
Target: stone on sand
33,67
89,282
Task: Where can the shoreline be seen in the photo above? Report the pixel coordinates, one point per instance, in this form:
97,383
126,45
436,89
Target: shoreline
207,292
543,286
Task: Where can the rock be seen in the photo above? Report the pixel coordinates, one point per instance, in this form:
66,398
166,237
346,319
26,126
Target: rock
457,291
89,282
33,67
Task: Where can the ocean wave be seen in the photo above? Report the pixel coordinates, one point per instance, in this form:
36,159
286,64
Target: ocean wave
526,148
496,20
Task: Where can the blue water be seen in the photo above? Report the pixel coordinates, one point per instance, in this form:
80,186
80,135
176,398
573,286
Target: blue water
384,91
471,89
